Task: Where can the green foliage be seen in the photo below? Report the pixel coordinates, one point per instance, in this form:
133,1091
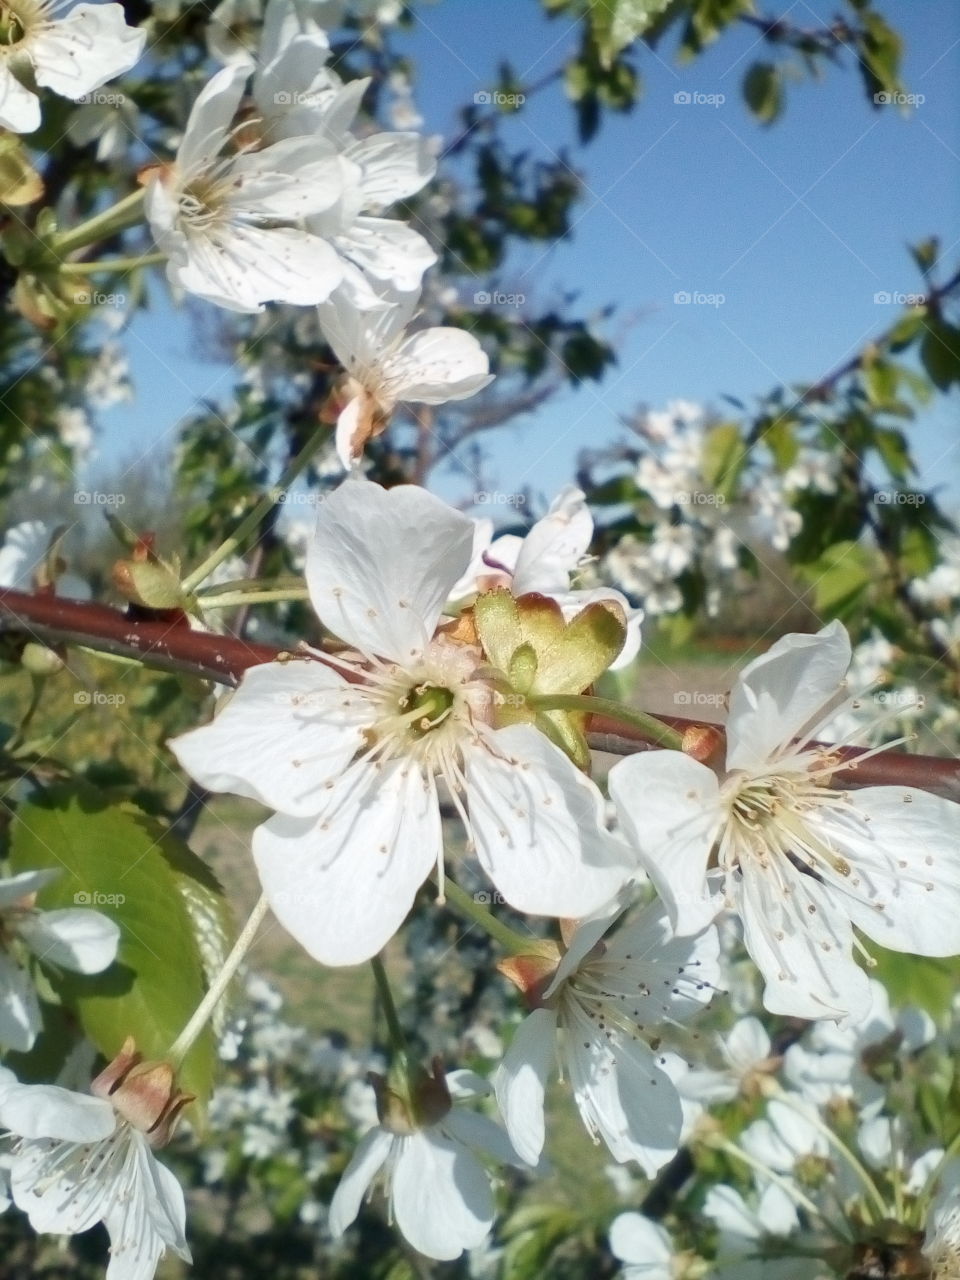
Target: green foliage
121,862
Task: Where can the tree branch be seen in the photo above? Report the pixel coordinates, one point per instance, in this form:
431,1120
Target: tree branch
175,646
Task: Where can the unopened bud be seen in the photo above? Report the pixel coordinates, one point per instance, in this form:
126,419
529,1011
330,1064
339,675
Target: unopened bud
702,741
152,584
40,661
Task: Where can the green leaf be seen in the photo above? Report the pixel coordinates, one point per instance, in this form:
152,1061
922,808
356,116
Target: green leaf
724,456
763,91
881,380
618,24
895,451
940,353
839,578
918,980
116,860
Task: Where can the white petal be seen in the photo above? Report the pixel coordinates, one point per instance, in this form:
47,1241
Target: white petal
148,1219
784,691
19,111
538,824
47,1111
437,365
726,1207
20,1018
441,1196
903,846
636,1240
624,1097
76,939
210,119
382,563
343,882
15,888
668,806
479,1133
25,545
82,51
521,1081
801,942
387,251
394,166
360,338
289,729
365,1164
289,179
47,1182
747,1043
555,545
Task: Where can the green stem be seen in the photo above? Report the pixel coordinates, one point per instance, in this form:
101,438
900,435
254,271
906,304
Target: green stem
115,264
841,1147
926,1195
251,522
125,213
36,693
467,905
397,1038
792,1190
652,729
230,598
207,1006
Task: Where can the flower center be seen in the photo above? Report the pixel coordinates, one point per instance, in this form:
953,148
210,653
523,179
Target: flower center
15,22
433,703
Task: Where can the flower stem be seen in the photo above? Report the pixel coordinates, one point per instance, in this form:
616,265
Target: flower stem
468,905
842,1149
652,729
251,521
207,1006
115,264
227,599
785,1184
398,1041
125,213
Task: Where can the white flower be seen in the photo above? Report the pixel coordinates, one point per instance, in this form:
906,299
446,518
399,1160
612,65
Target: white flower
111,125
743,1228
76,1162
748,1059
438,1191
352,767
606,996
385,366
77,939
644,1246
787,1133
23,555
72,55
803,863
297,93
545,560
230,225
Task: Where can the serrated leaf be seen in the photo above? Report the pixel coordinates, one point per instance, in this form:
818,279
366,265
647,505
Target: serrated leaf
618,24
114,859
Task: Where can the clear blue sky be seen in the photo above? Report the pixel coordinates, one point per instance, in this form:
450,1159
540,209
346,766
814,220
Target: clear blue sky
797,226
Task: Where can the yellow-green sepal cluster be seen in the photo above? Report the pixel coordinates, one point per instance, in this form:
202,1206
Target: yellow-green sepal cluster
536,653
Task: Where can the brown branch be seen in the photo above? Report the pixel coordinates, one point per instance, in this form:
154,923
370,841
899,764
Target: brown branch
176,647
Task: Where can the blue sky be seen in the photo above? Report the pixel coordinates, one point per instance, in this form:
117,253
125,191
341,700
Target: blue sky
797,226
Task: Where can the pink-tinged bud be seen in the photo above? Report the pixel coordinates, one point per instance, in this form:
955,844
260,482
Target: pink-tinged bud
531,974
703,741
145,1094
